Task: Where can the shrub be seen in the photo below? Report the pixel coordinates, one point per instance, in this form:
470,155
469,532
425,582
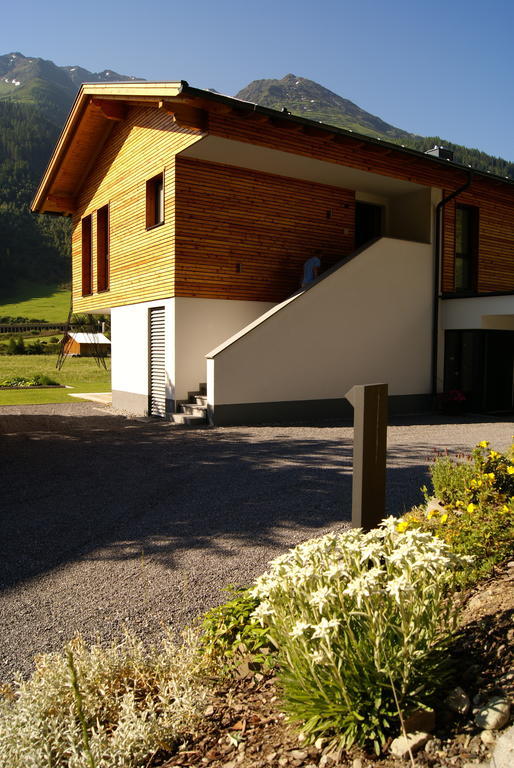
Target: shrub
358,617
134,703
38,380
229,630
477,514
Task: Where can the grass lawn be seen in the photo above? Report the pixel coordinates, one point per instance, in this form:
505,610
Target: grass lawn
81,373
38,301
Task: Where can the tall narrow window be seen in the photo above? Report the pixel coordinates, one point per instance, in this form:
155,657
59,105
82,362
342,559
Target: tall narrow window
155,201
102,248
87,257
466,242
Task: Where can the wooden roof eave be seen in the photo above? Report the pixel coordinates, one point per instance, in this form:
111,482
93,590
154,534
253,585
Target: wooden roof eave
44,199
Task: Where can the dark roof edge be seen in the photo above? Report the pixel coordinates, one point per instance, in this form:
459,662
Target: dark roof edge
232,101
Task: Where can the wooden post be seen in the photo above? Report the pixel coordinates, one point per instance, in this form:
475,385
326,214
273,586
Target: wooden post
369,454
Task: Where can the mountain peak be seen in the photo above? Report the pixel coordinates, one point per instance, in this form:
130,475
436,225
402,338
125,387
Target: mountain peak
309,99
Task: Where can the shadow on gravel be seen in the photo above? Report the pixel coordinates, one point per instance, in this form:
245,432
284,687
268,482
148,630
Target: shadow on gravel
75,485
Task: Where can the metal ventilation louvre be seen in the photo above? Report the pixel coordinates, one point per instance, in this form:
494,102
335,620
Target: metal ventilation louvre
157,372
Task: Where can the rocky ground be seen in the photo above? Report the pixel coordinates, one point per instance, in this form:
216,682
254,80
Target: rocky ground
243,726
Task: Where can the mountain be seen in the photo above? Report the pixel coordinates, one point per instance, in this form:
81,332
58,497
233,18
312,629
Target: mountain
35,97
42,83
310,100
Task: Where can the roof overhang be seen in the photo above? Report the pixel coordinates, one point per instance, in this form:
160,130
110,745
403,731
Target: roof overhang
99,106
96,109
216,149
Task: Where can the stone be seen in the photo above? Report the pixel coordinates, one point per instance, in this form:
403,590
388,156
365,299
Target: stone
503,755
458,701
420,720
282,761
319,743
432,746
270,756
357,763
298,754
488,738
494,714
412,741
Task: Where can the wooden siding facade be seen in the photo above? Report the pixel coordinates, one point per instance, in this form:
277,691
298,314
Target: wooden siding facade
232,233
245,235
494,268
141,260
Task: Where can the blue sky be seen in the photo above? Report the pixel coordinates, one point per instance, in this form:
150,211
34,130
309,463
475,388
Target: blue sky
434,68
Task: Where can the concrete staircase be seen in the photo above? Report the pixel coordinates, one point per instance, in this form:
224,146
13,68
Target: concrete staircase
193,411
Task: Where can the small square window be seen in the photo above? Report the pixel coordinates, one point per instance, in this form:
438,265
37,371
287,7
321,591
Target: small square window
155,201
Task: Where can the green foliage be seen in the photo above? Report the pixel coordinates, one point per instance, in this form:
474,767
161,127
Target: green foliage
124,705
229,630
38,380
477,518
355,616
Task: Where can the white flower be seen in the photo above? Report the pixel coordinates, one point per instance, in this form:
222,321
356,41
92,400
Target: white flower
263,610
396,587
321,597
323,629
299,629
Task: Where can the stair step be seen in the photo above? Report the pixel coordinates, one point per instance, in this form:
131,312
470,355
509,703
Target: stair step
193,409
187,419
201,399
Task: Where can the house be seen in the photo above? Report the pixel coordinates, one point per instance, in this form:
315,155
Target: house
193,214
86,344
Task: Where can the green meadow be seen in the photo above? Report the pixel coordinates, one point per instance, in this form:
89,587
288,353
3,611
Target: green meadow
37,301
82,374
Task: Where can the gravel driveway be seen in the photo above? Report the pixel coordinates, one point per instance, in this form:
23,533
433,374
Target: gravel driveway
107,520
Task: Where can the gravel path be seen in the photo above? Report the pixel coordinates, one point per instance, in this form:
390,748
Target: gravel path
107,520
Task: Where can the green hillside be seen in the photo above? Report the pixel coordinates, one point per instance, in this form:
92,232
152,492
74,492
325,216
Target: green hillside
37,301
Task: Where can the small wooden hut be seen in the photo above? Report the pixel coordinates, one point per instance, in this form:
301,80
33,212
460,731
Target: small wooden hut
86,344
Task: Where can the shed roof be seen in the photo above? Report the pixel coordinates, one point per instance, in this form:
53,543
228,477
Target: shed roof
89,338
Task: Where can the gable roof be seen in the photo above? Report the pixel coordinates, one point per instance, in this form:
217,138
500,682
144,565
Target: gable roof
89,338
98,106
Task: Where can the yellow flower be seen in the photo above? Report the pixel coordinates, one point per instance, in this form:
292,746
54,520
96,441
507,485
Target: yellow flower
490,475
401,527
459,503
504,510
493,455
470,507
431,514
510,470
483,443
444,518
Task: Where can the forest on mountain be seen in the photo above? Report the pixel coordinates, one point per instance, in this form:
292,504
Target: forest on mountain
32,247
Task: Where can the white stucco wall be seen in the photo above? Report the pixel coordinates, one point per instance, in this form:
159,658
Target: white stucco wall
193,327
202,324
479,312
368,321
129,345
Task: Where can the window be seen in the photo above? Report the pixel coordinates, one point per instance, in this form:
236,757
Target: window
102,248
87,257
466,242
155,201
